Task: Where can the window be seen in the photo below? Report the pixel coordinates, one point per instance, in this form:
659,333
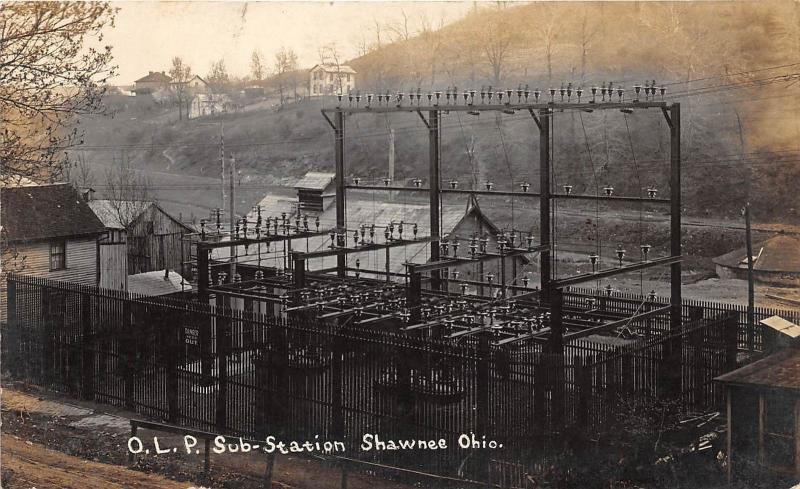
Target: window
348,77
58,255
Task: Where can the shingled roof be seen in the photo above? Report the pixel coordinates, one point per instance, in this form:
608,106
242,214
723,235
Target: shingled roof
154,77
315,181
781,370
46,211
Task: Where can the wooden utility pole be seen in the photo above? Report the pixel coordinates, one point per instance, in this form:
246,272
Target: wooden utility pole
750,284
232,203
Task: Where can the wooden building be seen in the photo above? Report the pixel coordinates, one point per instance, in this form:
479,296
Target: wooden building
764,416
113,247
153,236
331,79
49,231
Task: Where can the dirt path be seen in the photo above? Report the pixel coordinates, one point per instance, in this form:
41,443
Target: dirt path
27,465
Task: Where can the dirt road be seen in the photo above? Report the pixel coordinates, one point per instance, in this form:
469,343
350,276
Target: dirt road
27,465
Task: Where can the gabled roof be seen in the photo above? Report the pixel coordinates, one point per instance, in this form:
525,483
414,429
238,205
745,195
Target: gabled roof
110,211
778,254
154,77
332,68
46,211
781,370
315,181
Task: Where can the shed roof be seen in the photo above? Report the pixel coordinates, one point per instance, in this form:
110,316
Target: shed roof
781,370
315,181
46,211
154,283
109,211
778,254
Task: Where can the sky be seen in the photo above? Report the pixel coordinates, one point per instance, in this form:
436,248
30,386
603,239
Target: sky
148,34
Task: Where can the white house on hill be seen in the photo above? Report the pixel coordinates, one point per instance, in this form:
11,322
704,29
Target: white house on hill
331,79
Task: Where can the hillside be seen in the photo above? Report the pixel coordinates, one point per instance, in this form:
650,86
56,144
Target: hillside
739,133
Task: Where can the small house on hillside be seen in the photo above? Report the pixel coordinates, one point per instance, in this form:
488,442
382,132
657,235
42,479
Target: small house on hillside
331,79
775,261
151,83
153,237
210,104
49,231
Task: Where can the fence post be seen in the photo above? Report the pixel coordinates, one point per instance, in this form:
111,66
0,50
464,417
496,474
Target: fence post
175,345
482,400
584,391
697,368
223,315
539,386
128,352
337,370
88,348
731,328
12,339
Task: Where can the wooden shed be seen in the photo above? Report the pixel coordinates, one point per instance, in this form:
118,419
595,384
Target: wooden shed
153,236
764,415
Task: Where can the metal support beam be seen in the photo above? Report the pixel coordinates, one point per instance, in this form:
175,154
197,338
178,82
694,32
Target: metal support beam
341,260
540,106
613,324
610,272
434,134
675,216
545,122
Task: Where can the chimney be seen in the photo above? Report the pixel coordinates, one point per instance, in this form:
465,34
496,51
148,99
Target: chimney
151,72
166,274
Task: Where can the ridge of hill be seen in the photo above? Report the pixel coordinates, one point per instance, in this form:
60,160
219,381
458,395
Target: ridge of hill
738,142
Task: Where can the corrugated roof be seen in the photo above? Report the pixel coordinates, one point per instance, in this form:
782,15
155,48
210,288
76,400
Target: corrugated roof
360,211
154,283
46,211
315,181
780,370
778,254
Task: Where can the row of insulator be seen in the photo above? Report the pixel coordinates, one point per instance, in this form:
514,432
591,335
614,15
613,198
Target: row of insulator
487,96
594,258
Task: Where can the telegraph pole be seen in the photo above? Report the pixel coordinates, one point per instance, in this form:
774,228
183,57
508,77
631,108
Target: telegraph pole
750,285
232,203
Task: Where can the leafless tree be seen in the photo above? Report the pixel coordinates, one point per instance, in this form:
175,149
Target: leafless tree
79,173
400,30
218,78
49,74
180,73
128,192
257,68
329,55
285,65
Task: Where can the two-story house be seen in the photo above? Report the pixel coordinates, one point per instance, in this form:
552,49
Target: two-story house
49,231
331,79
152,82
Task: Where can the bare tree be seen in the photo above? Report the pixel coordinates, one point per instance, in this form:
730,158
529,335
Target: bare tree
180,73
257,68
497,40
329,55
79,173
218,78
49,74
128,192
285,64
400,30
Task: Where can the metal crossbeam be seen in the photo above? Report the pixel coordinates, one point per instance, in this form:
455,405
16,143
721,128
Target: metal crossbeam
301,255
614,324
610,272
497,107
